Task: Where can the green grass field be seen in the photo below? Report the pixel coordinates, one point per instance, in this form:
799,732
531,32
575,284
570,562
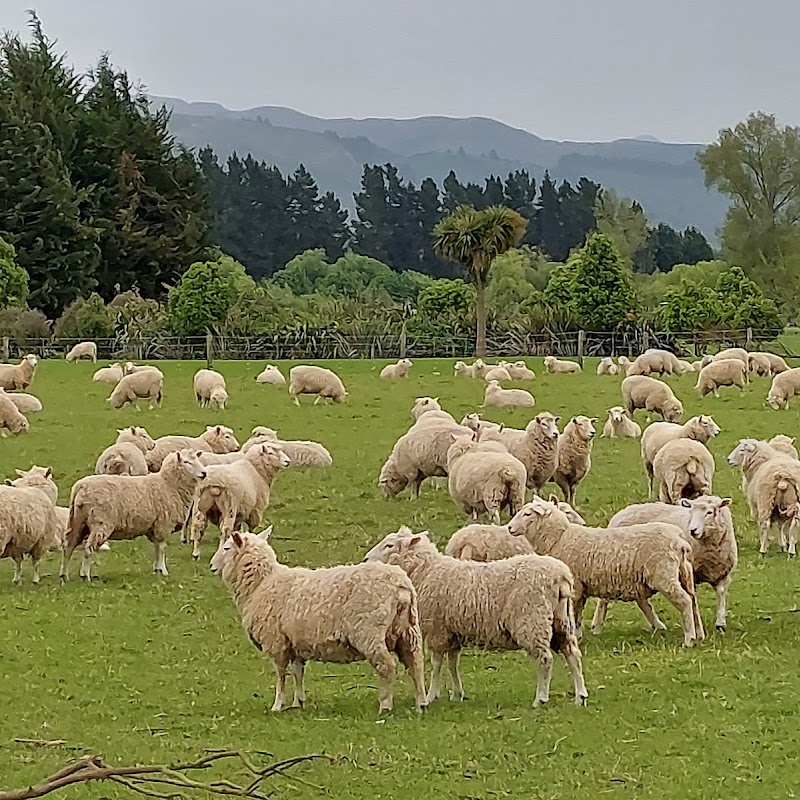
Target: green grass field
142,668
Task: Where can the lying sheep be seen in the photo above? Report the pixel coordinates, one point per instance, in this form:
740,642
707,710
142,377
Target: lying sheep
401,369
519,370
215,439
484,482
365,612
271,375
555,365
784,445
498,374
495,395
619,425
784,387
232,495
25,403
11,418
111,374
476,370
739,353
574,457
301,453
702,429
83,350
16,377
141,384
520,603
104,507
682,468
721,372
640,391
210,389
607,367
707,525
630,563
127,455
324,383
654,361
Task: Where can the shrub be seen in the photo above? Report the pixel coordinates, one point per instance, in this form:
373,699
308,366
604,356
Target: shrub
23,323
86,319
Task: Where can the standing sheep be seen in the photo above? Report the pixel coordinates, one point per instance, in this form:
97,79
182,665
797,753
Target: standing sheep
556,365
619,425
784,387
640,391
495,395
574,458
83,350
11,418
739,353
654,360
683,468
322,382
141,384
110,374
271,375
607,367
16,377
209,389
127,455
721,372
401,369
215,439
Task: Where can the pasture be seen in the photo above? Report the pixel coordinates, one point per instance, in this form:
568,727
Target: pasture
143,668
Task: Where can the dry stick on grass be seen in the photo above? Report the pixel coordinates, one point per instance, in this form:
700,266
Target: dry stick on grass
171,779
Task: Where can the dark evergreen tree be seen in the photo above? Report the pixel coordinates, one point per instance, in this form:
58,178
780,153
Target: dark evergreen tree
577,212
548,232
695,247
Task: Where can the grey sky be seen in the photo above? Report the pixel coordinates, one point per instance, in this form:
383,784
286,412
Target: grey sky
565,69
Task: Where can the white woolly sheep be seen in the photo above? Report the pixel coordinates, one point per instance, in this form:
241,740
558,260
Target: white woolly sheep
11,418
301,453
760,365
776,363
574,458
520,603
624,362
425,405
110,374
785,445
142,384
721,372
483,426
271,375
16,377
683,468
209,388
83,350
697,365
739,353
215,439
399,370
127,455
519,370
631,563
495,395
619,425
784,387
364,612
475,370
498,374
324,383
104,507
556,365
654,360
607,367
640,391
26,403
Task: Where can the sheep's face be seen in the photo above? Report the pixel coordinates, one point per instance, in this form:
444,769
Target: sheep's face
219,397
230,547
390,480
774,402
546,423
424,404
493,386
271,455
617,414
129,368
584,427
459,368
221,439
471,421
529,517
744,450
673,412
406,362
190,464
549,361
520,365
392,547
705,513
708,426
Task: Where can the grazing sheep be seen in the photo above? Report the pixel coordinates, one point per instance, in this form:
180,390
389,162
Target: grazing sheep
776,363
399,370
498,374
682,367
365,612
271,375
607,367
721,372
640,391
630,563
324,383
520,603
16,377
654,360
215,439
785,445
555,365
702,429
484,481
784,387
476,370
147,383
536,447
619,425
83,350
104,507
11,418
574,458
739,353
519,370
26,403
707,525
760,365
495,395
127,455
301,453
209,389
232,495
683,468
111,374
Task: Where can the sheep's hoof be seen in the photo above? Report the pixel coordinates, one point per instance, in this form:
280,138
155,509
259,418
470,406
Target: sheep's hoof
582,700
720,628
597,629
196,556
540,702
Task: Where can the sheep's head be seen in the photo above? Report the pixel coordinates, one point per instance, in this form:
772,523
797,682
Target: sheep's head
492,387
230,546
584,427
140,434
393,546
705,513
406,362
617,414
31,359
673,411
219,397
221,439
270,455
263,432
459,367
188,462
743,451
773,401
549,361
567,510
424,404
707,427
520,364
545,423
390,480
530,516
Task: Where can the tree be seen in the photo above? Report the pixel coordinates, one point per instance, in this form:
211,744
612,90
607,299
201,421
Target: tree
547,225
695,247
622,221
86,319
13,278
690,306
474,238
304,272
743,304
202,298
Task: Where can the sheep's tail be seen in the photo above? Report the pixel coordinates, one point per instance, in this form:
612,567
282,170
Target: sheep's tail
685,569
516,488
692,466
76,524
786,491
406,620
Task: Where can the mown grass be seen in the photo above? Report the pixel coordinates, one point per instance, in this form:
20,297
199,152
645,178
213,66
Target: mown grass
142,668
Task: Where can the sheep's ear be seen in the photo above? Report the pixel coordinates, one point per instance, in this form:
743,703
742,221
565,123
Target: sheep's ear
9,482
726,501
20,472
266,533
180,458
553,499
238,542
121,430
686,503
435,399
219,429
415,539
199,453
593,419
48,472
557,419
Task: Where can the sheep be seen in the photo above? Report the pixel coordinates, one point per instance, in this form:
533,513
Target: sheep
16,377
301,453
110,374
520,603
484,481
232,495
536,447
425,405
130,368
498,374
399,370
697,365
555,365
760,365
706,523
624,362
785,385
574,456
630,563
640,391
209,389
701,429
771,484
619,425
145,383
476,370
607,367
216,439
363,612
322,382
784,445
519,371
739,353
654,360
721,372
776,363
127,455
271,375
104,507
26,403
83,350
482,426
11,418
495,395
682,468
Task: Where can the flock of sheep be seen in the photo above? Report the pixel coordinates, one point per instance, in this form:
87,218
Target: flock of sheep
515,586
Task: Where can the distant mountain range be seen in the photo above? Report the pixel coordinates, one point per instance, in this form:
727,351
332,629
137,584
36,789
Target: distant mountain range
663,177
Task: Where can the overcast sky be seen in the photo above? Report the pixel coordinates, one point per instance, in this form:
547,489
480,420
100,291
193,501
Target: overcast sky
564,69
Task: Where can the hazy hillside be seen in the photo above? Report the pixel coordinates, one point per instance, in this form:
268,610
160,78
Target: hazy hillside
663,177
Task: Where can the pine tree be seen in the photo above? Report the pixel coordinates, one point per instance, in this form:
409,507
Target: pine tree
695,247
548,233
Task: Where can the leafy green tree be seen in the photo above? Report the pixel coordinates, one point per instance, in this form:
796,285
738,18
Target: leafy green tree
474,239
743,304
86,319
13,278
201,299
623,221
304,272
690,306
512,276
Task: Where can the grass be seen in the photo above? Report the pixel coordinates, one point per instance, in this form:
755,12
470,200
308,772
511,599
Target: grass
141,668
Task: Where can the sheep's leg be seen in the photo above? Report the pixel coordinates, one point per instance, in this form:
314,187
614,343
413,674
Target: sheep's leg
574,658
699,630
281,665
18,569
381,659
298,673
650,615
680,598
453,658
198,528
545,659
295,400
649,468
318,398
36,559
791,538
411,657
599,619
160,563
721,590
86,563
763,525
436,673
578,603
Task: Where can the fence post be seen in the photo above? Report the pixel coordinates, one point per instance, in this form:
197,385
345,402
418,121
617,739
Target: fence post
209,350
6,349
403,341
581,344
645,340
749,341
